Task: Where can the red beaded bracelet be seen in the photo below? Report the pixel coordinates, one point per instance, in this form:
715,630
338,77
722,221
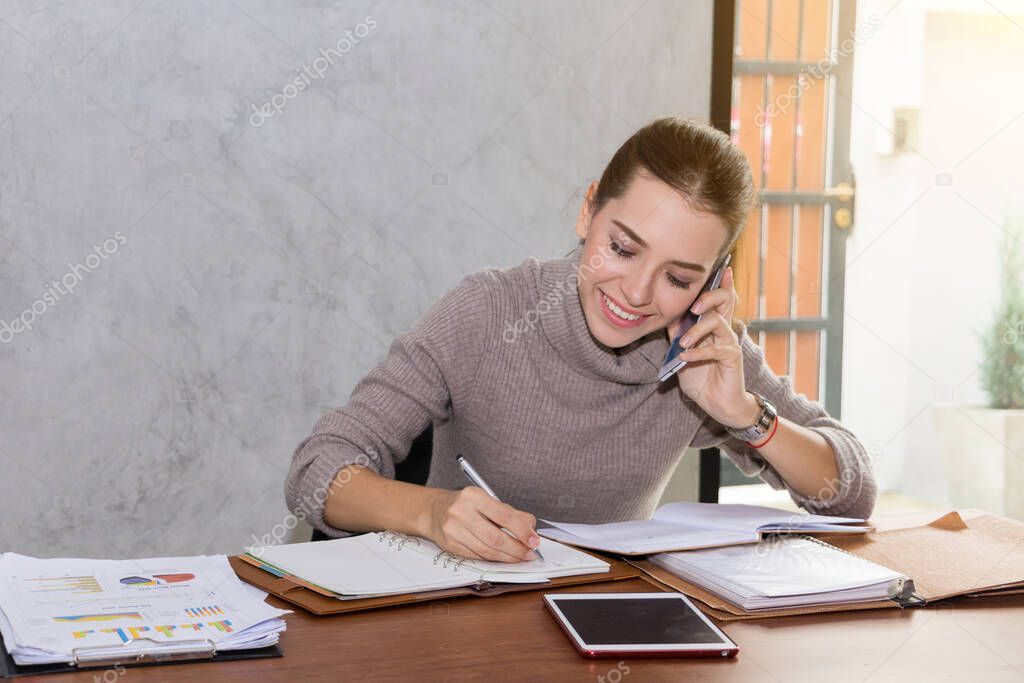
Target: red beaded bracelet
775,426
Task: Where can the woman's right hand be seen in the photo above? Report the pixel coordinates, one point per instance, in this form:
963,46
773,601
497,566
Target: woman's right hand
468,523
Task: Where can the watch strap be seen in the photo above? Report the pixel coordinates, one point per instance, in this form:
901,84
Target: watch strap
762,425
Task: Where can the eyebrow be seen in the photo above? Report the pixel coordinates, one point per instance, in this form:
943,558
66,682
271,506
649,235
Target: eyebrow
636,238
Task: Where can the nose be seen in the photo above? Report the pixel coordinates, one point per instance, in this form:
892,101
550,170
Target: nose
636,289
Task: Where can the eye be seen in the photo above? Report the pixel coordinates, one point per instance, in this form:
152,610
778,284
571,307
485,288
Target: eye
617,248
678,283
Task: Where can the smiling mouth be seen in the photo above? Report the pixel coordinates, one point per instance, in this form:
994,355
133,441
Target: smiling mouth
616,314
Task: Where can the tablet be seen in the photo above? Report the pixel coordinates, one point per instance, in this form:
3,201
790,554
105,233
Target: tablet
637,625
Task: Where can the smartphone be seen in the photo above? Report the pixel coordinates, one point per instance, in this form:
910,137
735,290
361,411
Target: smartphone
637,625
672,364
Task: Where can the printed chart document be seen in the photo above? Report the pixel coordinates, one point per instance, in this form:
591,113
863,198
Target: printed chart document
688,526
386,563
54,609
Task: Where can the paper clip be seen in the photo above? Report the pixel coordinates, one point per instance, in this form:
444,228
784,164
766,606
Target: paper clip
102,655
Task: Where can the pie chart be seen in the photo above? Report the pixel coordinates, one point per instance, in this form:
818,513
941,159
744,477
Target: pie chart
156,579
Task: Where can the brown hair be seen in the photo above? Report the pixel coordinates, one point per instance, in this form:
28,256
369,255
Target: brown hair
698,161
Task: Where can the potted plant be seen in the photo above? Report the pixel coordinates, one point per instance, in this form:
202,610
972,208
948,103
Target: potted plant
983,446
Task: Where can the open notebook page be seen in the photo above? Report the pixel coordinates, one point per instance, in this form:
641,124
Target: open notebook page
363,565
747,517
689,526
644,536
559,560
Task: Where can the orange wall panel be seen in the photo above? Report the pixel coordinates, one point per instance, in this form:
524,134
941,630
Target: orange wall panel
747,267
777,264
776,352
752,17
782,127
750,93
805,374
814,41
786,152
810,148
785,34
808,285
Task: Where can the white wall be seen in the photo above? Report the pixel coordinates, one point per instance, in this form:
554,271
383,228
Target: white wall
922,256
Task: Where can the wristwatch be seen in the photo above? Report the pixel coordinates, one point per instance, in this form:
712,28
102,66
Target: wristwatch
762,424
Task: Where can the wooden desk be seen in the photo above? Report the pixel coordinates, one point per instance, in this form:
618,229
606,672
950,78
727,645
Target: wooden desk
512,638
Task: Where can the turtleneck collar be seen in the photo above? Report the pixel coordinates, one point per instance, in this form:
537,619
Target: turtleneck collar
565,327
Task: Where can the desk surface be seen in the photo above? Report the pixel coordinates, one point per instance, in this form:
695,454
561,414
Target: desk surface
512,638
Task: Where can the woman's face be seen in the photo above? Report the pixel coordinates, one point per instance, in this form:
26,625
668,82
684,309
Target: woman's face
650,254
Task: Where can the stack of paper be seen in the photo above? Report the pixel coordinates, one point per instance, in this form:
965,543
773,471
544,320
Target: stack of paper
688,526
54,610
788,571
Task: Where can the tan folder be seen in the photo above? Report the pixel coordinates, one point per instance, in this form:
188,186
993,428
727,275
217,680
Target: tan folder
319,601
945,558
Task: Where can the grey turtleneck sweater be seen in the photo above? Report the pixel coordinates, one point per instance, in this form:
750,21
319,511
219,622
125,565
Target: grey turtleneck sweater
558,424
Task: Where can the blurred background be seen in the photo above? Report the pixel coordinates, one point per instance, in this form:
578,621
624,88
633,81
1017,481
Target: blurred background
884,271
215,216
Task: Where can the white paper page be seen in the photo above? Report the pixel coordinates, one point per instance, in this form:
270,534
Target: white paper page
644,536
254,592
736,516
690,526
559,560
360,565
815,528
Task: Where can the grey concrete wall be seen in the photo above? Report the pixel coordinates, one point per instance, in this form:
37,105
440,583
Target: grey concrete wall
215,216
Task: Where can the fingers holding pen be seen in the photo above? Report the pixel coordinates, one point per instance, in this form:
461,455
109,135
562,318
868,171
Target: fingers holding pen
469,522
520,524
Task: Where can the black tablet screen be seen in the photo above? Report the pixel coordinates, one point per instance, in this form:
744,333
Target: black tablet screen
626,621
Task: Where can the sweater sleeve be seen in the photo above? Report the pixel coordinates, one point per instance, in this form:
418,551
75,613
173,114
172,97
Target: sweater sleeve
426,371
852,495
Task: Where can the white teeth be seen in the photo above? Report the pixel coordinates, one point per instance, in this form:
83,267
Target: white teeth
618,311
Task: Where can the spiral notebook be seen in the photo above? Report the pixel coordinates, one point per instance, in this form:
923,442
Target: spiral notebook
389,563
781,572
951,556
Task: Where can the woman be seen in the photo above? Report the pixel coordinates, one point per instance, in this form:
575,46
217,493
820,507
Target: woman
544,376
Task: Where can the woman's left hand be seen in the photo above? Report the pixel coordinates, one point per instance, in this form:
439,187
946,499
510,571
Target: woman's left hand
713,374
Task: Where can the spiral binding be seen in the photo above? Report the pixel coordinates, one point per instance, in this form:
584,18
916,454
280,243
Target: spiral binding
396,540
904,594
449,557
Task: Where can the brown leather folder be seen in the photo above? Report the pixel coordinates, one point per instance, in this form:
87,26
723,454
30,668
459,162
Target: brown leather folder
318,601
948,557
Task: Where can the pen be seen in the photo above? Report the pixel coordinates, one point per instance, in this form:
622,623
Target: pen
477,480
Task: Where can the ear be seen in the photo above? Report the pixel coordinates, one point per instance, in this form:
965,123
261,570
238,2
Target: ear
584,217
